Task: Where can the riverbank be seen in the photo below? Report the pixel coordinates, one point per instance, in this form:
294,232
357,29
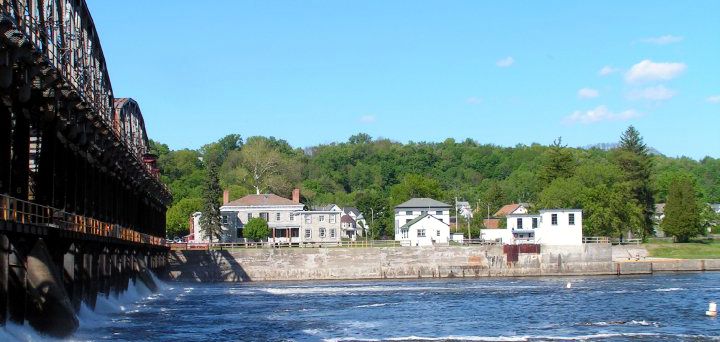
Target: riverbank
413,262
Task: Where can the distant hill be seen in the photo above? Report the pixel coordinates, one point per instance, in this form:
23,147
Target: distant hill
610,146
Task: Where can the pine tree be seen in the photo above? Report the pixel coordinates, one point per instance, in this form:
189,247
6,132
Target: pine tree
633,158
558,162
210,219
682,213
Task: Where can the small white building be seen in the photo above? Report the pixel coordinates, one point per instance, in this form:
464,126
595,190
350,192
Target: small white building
550,227
424,230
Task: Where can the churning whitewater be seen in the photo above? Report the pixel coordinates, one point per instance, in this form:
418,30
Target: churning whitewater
666,307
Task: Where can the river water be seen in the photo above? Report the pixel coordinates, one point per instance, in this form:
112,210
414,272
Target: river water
668,307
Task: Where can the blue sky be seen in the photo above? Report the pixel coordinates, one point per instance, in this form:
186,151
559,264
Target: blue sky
499,72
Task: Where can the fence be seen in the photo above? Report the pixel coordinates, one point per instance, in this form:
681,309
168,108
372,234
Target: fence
614,241
24,212
270,244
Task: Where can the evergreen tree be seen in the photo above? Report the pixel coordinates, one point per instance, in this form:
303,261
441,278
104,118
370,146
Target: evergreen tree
682,213
634,160
558,162
210,219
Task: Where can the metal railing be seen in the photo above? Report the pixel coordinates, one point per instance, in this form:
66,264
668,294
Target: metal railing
266,244
617,241
596,239
24,212
614,241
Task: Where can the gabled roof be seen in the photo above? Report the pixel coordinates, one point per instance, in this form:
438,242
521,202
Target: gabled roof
260,200
423,203
347,219
351,210
507,209
414,221
328,207
418,219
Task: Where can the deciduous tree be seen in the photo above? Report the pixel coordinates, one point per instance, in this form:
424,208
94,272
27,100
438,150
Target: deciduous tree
256,229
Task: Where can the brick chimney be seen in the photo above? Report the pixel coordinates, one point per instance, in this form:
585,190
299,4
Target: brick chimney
226,197
296,195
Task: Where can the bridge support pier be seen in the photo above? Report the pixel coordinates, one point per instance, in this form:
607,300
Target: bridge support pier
17,281
4,255
72,265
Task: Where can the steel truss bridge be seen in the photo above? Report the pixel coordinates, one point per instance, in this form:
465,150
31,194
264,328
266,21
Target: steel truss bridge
75,172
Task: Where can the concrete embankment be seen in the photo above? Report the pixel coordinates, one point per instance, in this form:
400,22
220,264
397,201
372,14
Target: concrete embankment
268,264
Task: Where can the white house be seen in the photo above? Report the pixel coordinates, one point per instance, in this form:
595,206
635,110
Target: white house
352,221
549,227
424,230
198,236
419,213
286,218
415,207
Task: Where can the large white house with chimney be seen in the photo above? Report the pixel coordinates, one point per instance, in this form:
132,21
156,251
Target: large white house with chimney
288,220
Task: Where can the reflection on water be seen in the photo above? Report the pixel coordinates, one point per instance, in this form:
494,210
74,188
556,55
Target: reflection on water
666,307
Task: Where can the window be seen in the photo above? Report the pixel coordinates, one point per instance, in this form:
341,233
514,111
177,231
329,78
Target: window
292,217
239,233
571,219
224,219
405,233
265,216
308,218
308,233
409,212
421,232
249,216
534,222
519,223
322,232
438,233
553,219
277,217
321,218
439,212
332,233
332,218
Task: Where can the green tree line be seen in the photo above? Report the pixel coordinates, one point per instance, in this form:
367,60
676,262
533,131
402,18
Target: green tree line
616,188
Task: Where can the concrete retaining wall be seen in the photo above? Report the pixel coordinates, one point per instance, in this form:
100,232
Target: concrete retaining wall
410,262
391,262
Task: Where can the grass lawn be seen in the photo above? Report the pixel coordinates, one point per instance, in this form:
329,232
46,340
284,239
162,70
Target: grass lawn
699,249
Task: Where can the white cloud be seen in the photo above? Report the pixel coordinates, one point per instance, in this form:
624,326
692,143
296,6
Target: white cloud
663,40
505,62
600,113
588,93
473,100
367,119
657,93
713,99
648,70
606,70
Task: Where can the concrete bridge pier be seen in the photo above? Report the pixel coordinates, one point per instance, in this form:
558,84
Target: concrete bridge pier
89,278
4,256
72,267
17,280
